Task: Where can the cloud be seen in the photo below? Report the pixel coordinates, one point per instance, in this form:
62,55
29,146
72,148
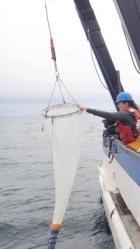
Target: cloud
26,66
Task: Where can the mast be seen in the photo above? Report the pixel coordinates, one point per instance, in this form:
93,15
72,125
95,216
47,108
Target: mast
93,33
129,13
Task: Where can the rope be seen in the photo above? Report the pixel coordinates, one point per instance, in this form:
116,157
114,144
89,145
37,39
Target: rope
96,69
58,81
52,92
66,89
49,27
61,91
130,51
90,41
51,40
51,96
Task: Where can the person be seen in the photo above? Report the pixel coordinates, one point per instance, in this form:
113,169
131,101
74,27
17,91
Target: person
125,120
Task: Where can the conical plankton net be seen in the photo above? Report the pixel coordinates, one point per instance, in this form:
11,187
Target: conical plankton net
65,125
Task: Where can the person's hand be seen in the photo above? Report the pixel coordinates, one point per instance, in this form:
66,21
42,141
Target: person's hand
83,108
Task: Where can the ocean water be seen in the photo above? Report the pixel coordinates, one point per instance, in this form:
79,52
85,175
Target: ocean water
27,185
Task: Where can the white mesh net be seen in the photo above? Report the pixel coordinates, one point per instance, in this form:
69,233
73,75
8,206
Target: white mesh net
64,129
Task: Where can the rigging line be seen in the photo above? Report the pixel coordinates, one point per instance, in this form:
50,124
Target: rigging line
130,51
49,27
58,80
54,59
103,84
51,41
90,41
109,82
96,69
50,99
61,91
74,100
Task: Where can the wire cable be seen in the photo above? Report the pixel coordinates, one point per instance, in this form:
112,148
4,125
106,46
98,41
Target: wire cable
66,89
103,84
47,16
130,51
58,80
92,44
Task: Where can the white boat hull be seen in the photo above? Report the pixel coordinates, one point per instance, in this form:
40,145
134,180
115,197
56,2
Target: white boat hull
114,181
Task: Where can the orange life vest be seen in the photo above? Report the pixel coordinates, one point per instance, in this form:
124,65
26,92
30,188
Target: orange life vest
126,133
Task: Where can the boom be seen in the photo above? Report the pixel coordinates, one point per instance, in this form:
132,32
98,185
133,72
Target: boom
93,33
129,13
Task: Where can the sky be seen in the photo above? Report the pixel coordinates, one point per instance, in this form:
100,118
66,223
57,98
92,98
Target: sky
26,67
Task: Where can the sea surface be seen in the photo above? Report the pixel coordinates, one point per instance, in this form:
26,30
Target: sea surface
27,185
